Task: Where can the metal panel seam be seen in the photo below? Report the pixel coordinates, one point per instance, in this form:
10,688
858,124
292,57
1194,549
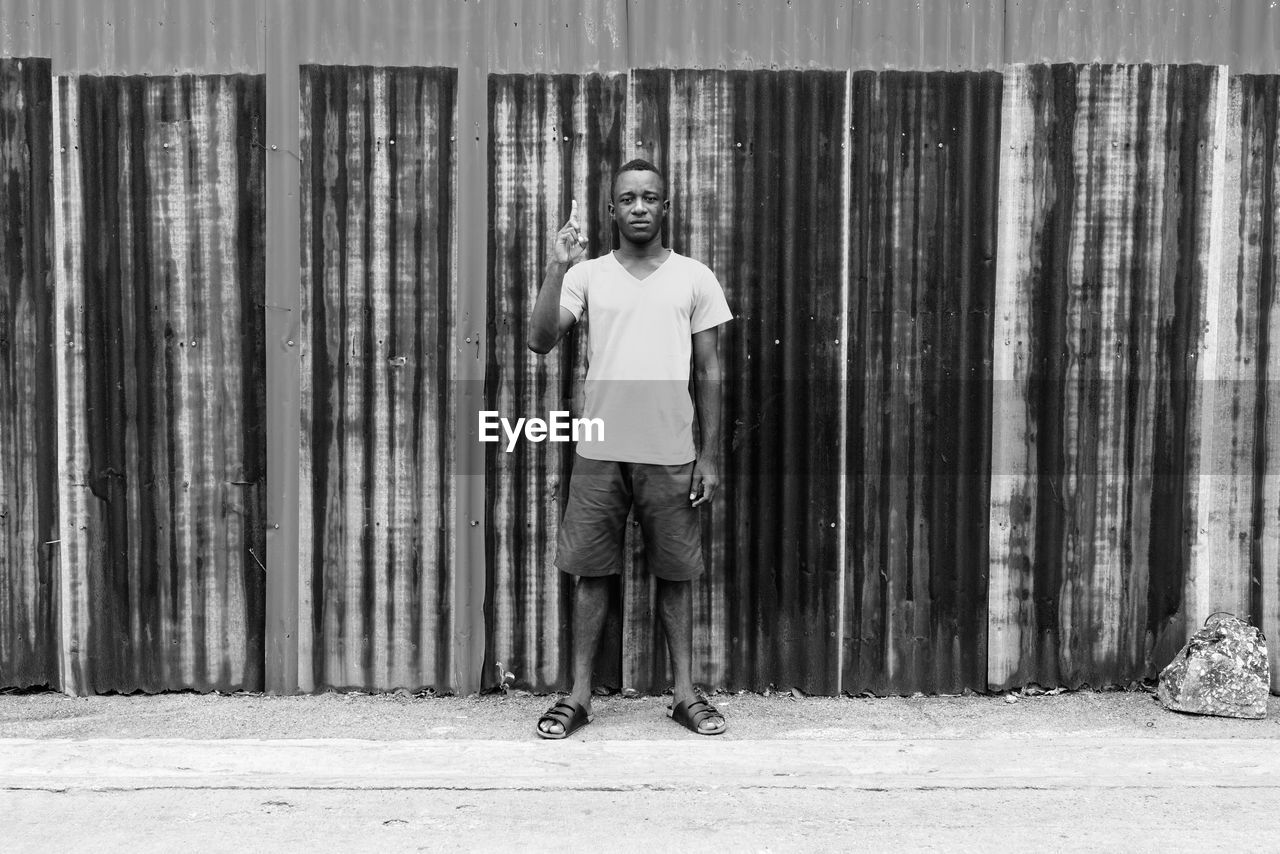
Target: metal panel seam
471,252
283,293
842,509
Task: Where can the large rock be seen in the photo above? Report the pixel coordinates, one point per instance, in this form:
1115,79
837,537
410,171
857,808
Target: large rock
1222,670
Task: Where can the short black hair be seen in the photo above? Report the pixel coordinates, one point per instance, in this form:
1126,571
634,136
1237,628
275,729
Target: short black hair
638,165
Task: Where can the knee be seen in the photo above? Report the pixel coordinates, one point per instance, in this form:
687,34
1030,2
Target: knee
675,598
592,588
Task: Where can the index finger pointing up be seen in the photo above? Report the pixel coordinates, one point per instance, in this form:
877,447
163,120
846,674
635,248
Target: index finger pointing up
573,212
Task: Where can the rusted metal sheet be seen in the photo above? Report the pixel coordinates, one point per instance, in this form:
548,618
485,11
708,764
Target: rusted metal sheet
553,139
159,200
28,425
925,161
1238,33
548,36
376,488
1242,456
135,36
1104,288
514,36
754,162
864,34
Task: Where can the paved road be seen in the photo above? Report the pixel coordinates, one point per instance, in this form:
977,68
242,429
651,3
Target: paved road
988,793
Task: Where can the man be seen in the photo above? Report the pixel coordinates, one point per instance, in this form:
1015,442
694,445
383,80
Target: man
650,310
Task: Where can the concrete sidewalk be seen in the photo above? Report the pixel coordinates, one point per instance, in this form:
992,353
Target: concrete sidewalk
357,772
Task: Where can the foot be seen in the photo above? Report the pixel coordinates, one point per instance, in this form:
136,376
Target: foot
550,727
692,710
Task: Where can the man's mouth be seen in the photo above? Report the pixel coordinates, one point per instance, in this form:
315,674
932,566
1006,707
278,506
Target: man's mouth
639,223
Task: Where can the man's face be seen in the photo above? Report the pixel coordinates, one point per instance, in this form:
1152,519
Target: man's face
639,205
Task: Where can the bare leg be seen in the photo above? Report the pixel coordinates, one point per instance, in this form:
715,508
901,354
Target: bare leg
675,608
590,607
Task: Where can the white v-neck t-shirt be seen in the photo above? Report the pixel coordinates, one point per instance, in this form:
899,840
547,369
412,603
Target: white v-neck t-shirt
639,349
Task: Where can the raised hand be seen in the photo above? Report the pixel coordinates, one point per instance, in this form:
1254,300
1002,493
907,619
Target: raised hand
570,245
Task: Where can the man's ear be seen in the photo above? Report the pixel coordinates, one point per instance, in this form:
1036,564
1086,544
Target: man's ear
610,208
666,206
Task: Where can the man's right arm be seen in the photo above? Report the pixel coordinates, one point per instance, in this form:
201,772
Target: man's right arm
550,320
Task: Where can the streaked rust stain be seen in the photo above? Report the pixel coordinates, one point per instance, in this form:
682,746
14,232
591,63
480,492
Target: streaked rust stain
378,461
754,164
1243,459
924,159
552,139
1107,200
28,427
160,191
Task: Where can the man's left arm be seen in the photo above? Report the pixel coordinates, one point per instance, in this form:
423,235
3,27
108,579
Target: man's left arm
706,385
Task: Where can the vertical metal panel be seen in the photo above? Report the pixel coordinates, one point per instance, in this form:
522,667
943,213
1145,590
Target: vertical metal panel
1239,33
136,36
553,139
22,29
753,161
516,35
155,37
28,462
548,36
922,269
1107,200
871,34
376,544
160,281
1241,461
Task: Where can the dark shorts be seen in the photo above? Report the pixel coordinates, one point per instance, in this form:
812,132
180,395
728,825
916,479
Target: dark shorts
593,530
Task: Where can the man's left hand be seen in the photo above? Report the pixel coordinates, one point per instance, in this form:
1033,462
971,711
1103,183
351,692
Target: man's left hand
704,482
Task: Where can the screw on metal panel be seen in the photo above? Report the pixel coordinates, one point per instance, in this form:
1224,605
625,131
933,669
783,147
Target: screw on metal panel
166,145
276,525
737,145
639,143
474,523
193,343
290,343
391,142
566,139
273,148
468,339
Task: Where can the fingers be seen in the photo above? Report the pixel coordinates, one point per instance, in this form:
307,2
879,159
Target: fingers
573,223
703,490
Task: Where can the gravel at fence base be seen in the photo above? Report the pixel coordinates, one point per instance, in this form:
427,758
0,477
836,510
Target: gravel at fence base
512,716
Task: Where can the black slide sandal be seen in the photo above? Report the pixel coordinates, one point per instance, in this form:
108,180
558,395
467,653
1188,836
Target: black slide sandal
568,714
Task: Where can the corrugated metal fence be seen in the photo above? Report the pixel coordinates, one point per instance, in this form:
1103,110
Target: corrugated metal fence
998,406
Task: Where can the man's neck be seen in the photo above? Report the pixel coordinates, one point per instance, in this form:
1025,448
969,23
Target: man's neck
640,251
